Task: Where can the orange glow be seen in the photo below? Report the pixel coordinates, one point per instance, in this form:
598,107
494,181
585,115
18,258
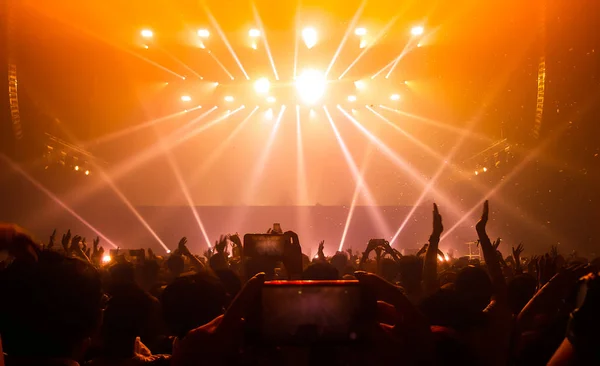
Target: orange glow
203,33
147,33
360,31
186,98
254,33
417,30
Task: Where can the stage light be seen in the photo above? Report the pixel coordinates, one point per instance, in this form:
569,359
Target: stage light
359,84
262,85
203,33
309,35
106,259
363,43
419,45
476,172
147,33
270,99
311,85
360,31
484,169
201,45
254,45
77,168
87,172
254,33
352,98
168,251
186,98
146,46
395,97
269,114
229,98
405,82
417,30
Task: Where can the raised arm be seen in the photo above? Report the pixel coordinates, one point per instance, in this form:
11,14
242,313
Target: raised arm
490,256
430,280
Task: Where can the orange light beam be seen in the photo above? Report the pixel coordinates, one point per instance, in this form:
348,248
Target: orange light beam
205,127
54,198
263,35
371,44
135,128
262,161
144,156
400,56
399,161
530,157
360,181
183,64
300,164
216,153
220,64
216,25
184,189
357,190
445,161
439,124
349,30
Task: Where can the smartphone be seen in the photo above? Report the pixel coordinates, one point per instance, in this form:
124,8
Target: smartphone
137,253
312,312
264,245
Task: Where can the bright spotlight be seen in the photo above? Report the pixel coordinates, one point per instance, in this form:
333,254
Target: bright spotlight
417,30
106,259
229,98
203,33
309,35
147,33
270,99
484,169
363,43
87,172
395,97
359,84
186,98
352,98
168,251
419,45
254,33
269,114
476,172
77,168
311,85
360,31
262,85
146,46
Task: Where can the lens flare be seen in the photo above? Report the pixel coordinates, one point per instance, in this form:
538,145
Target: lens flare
311,85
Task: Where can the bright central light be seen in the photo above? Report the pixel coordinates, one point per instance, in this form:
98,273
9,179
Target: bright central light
360,31
311,85
262,85
203,33
254,33
147,33
229,98
395,97
106,258
186,98
417,30
359,84
309,35
352,98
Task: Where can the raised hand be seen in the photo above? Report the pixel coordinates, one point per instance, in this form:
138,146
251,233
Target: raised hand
95,243
496,244
75,244
151,254
321,245
182,247
221,244
438,228
52,238
517,252
236,240
66,240
481,224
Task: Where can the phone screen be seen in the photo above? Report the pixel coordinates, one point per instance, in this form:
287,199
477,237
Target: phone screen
312,312
266,245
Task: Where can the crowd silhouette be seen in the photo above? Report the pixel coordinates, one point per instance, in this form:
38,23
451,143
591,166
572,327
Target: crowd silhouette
65,302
